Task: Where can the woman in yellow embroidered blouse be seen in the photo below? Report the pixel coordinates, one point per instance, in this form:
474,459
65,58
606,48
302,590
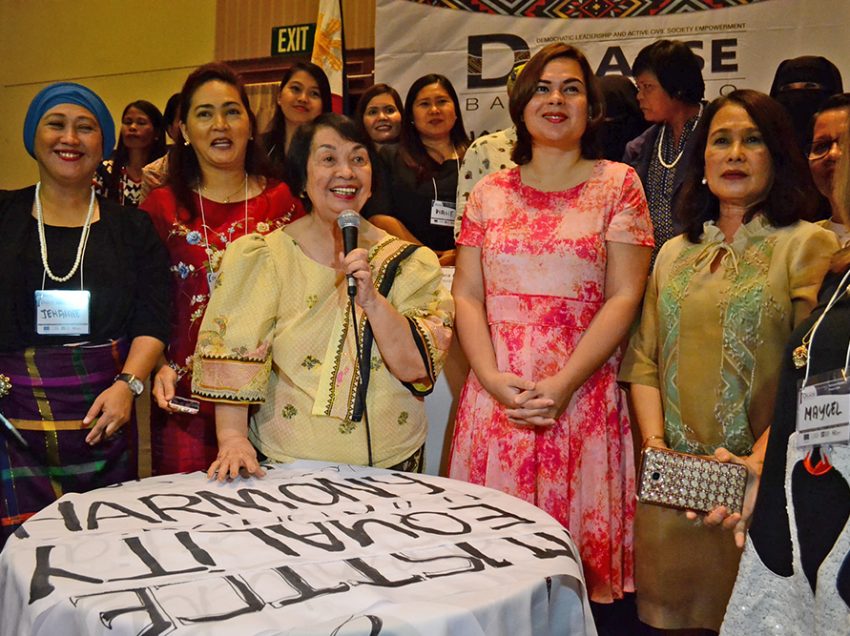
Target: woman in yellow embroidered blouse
720,304
278,334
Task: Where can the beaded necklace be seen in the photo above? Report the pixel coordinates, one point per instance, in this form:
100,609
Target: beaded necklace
42,239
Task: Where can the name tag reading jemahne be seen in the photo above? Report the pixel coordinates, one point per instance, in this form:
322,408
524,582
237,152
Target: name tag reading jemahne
62,312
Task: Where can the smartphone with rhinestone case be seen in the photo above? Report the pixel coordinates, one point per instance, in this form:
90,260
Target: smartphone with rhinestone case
185,405
690,482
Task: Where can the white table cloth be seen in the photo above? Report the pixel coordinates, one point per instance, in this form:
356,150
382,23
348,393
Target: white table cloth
310,549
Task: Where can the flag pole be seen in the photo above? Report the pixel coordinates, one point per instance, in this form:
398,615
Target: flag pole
342,57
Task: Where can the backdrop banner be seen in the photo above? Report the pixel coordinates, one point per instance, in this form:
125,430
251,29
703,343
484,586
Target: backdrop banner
475,42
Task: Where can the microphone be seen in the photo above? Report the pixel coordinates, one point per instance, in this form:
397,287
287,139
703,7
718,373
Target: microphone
349,222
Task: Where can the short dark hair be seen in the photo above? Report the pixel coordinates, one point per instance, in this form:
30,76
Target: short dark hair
172,106
676,67
302,144
411,148
524,89
372,92
184,172
792,194
274,139
112,180
839,101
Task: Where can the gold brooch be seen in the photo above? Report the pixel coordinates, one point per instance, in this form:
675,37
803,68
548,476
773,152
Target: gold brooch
800,356
5,385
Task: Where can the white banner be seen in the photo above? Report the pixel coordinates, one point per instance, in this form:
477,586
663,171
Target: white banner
740,46
311,549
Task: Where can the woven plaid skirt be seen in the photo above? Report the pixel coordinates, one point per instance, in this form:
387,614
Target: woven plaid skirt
52,390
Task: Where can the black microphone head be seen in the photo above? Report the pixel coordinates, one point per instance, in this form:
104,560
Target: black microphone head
349,218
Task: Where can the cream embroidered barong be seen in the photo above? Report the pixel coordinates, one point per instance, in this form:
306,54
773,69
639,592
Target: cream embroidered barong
277,333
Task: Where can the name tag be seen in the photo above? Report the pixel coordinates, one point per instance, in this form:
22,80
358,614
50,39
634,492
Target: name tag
443,213
823,411
62,312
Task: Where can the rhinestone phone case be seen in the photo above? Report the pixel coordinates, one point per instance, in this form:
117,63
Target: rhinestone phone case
690,482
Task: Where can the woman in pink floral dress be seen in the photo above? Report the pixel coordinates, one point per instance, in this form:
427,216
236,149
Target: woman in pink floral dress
552,262
216,193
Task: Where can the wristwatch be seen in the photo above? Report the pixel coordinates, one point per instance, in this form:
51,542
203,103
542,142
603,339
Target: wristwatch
135,384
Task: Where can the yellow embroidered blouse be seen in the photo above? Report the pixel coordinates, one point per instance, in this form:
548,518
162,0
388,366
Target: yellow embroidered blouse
277,333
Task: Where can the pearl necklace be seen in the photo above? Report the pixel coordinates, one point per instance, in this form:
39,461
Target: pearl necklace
42,240
673,163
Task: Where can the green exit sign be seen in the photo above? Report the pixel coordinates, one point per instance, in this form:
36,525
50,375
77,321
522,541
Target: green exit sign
293,40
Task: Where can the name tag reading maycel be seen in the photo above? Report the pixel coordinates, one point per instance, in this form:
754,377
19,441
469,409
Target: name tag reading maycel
62,312
823,411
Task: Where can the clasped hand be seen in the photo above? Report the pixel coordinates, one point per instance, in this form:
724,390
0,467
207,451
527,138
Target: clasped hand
529,403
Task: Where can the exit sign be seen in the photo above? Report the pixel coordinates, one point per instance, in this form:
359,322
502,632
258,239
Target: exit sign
293,40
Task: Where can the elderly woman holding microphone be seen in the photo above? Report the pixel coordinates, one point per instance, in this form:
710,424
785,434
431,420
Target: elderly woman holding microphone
281,330
84,315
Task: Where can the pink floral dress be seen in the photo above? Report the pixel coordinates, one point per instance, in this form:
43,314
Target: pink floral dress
544,256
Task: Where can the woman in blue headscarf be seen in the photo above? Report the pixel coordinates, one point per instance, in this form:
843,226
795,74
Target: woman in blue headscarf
84,315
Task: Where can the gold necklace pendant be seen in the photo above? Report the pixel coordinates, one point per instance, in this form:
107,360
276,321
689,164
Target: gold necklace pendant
800,356
243,186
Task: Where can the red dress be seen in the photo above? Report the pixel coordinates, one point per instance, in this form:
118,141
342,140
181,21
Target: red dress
544,257
179,442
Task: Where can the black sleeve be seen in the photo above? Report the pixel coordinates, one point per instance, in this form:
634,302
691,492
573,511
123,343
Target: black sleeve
381,201
15,208
770,532
821,503
151,312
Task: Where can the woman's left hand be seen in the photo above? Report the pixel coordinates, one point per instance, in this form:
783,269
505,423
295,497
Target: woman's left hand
356,264
112,410
738,522
542,405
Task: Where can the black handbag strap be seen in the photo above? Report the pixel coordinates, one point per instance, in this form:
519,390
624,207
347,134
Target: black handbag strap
368,336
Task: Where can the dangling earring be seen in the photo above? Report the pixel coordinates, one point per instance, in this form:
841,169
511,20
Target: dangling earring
704,181
186,142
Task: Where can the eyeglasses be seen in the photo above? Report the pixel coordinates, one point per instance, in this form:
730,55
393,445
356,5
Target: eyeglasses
820,148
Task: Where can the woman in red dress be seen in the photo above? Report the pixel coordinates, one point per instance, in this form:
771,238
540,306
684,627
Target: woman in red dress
217,191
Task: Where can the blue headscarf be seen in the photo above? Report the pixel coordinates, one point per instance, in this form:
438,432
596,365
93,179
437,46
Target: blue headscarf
68,93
